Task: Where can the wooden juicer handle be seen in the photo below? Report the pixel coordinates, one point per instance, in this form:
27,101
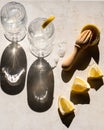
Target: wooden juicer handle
86,38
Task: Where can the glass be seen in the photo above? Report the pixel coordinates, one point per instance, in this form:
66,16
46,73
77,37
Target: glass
13,60
58,52
41,39
13,20
40,92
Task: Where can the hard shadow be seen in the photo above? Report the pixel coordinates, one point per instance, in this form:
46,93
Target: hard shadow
80,98
81,61
13,69
67,119
95,83
67,75
12,89
94,52
40,86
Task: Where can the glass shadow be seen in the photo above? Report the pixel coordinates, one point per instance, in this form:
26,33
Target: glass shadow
40,86
13,69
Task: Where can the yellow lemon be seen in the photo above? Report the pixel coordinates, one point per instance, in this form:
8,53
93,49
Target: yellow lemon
80,85
95,31
65,106
95,72
47,21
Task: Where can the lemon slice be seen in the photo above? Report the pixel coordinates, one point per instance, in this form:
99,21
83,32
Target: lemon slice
47,21
65,106
95,72
80,86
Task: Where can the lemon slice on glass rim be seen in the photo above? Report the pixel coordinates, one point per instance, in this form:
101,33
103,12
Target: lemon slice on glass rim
80,86
95,72
65,106
47,21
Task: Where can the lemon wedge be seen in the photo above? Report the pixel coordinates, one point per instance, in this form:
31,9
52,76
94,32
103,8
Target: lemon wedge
95,72
65,106
80,85
47,21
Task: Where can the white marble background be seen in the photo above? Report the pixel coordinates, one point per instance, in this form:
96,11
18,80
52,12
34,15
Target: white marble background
15,113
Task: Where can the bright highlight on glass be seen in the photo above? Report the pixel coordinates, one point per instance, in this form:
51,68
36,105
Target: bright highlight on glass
13,20
41,39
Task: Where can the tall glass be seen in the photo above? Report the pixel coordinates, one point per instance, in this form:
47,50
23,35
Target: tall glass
41,39
13,20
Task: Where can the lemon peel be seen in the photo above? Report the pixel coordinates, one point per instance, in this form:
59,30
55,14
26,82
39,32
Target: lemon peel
65,106
95,72
80,85
47,21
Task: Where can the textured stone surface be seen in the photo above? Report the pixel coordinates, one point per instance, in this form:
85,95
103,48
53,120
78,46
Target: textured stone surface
15,113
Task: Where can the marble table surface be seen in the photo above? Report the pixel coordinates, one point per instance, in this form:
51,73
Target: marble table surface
71,16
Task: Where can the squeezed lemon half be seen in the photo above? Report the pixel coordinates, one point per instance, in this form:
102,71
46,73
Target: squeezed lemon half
65,106
80,85
47,21
95,72
95,31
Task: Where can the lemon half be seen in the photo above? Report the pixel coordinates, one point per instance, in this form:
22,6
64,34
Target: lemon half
96,33
95,72
80,85
47,21
65,106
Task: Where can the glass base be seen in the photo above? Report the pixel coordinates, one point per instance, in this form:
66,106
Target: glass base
40,53
16,37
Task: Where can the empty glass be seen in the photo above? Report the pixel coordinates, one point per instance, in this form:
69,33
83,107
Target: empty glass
41,39
13,60
13,20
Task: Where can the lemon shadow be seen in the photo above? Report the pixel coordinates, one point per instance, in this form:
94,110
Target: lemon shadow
67,119
95,83
80,98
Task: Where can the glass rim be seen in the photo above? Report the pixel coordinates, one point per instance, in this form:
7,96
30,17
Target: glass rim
24,16
41,19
